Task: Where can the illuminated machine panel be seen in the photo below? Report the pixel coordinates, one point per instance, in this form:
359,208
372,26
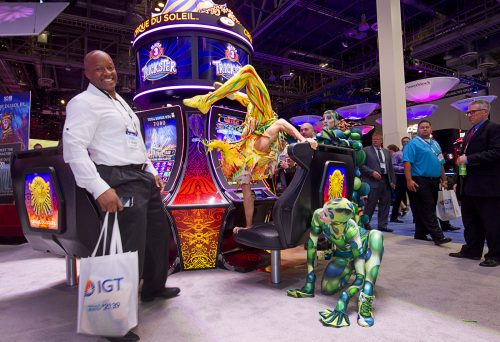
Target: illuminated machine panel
332,173
43,200
164,137
183,53
219,59
227,124
334,181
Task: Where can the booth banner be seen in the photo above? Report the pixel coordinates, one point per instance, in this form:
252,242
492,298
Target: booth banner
14,136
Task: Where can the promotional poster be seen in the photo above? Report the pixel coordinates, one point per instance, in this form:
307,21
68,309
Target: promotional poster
14,136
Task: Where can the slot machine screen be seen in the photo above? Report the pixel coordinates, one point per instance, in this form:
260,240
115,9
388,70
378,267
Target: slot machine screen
228,127
43,200
160,135
334,181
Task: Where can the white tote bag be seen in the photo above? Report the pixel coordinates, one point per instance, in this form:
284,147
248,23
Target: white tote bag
447,207
107,292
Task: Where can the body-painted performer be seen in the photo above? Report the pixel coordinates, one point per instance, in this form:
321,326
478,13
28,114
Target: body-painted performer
255,156
356,251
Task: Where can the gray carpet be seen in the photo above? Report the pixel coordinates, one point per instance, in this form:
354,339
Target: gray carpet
421,295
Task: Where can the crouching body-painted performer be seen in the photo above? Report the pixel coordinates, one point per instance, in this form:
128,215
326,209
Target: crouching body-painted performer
255,156
355,251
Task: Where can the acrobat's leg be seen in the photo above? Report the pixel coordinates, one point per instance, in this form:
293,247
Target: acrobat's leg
373,258
246,77
248,207
264,142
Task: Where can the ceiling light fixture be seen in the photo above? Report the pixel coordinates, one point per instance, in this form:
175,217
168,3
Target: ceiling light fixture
157,9
363,25
344,44
323,65
161,4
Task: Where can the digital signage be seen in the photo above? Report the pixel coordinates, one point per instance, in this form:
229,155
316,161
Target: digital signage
219,60
228,128
164,60
43,200
160,135
334,181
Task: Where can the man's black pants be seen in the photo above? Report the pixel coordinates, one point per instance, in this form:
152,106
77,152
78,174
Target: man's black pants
479,215
144,226
423,206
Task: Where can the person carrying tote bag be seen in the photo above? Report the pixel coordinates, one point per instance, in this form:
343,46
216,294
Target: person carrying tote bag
447,207
108,288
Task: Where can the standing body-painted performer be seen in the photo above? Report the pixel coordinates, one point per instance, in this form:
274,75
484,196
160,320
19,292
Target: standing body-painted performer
355,251
254,157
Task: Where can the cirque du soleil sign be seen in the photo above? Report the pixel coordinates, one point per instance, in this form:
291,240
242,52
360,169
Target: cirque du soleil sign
163,19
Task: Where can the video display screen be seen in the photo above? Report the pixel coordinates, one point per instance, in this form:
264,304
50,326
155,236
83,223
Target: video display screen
334,184
219,60
160,136
164,60
228,128
41,201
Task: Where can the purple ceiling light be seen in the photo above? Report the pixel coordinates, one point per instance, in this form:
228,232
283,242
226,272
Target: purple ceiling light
429,89
365,128
302,119
420,111
357,111
379,121
464,104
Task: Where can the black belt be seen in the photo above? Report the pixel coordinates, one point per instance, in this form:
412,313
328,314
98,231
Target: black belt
138,167
424,177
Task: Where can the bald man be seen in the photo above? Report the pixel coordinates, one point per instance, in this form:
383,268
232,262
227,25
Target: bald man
103,145
307,130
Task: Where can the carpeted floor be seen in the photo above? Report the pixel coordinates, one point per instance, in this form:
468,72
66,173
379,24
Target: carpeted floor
421,295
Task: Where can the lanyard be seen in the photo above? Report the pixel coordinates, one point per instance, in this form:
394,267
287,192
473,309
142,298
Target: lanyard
127,122
436,153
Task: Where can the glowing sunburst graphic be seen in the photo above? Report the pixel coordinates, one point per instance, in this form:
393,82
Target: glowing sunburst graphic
336,185
40,196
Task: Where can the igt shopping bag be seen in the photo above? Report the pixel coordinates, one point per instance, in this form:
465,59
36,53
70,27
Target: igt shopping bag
447,207
107,292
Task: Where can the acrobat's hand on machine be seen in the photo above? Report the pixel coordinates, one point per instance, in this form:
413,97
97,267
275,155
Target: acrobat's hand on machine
313,143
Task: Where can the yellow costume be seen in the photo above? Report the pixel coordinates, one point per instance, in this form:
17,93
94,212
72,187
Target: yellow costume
241,161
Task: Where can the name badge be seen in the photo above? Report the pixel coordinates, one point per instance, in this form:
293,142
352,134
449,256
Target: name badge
132,139
440,157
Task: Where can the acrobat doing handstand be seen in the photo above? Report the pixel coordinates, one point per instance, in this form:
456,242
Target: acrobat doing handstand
255,156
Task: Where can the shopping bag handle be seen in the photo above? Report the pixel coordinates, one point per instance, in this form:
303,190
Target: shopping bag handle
115,246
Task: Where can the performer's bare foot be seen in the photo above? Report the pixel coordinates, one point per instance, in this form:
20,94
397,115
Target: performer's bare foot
236,230
199,102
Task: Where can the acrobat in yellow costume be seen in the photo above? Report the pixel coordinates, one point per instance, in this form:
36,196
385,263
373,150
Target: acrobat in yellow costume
242,162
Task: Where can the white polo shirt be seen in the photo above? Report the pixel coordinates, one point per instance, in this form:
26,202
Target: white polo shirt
95,132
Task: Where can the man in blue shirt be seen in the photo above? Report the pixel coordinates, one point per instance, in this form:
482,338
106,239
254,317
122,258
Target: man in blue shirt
423,168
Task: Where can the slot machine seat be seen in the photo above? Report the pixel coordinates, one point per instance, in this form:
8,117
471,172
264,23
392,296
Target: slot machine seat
291,213
80,222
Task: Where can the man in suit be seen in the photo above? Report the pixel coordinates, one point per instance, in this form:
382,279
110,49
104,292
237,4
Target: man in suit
481,186
378,172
